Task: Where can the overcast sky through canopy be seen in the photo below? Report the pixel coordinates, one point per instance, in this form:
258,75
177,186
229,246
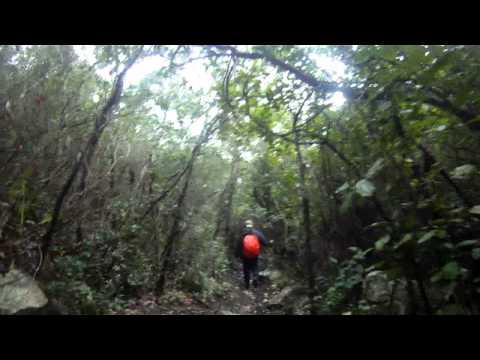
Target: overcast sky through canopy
198,78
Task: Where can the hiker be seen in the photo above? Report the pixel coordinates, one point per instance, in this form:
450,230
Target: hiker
248,249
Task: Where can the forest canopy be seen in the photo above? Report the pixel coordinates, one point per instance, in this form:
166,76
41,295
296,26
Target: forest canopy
127,174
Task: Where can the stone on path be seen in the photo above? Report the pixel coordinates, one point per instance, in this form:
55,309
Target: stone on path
19,291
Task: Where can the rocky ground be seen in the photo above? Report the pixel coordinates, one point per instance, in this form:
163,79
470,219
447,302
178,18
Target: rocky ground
277,294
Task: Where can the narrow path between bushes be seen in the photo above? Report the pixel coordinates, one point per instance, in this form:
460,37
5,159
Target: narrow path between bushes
236,301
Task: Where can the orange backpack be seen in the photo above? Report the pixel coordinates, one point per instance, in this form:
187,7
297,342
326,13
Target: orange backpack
251,246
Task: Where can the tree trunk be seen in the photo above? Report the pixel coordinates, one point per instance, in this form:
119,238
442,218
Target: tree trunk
225,204
306,220
178,213
174,234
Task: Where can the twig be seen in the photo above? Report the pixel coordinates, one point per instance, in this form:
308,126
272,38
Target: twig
39,263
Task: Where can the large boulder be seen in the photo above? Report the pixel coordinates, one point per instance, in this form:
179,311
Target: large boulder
19,291
51,308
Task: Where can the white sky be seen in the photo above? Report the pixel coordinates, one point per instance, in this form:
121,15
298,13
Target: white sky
198,78
333,67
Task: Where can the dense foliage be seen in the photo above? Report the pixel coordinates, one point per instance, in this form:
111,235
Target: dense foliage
107,194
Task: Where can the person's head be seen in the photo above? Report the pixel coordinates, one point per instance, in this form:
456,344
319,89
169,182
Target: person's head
249,224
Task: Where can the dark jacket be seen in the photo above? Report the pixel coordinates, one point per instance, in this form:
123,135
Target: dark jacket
248,231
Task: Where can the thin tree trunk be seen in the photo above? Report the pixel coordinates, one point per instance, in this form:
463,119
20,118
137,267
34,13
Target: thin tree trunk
413,299
306,219
174,234
175,231
225,203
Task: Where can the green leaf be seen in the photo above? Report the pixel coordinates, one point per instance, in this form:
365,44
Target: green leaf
404,240
379,265
451,271
375,168
448,245
427,236
436,277
347,203
380,244
377,224
365,188
342,188
22,212
441,234
46,219
475,210
476,253
467,243
367,251
463,172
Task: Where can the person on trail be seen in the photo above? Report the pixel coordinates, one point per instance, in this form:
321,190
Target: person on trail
248,249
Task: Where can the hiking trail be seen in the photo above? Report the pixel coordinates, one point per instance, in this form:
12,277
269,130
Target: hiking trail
237,300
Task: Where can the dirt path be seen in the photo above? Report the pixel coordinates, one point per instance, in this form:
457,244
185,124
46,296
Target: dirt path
237,301
244,302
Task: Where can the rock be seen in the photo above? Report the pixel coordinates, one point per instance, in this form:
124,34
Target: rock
272,275
287,296
19,291
439,294
300,305
265,274
280,297
51,308
377,288
322,283
249,294
379,291
400,296
227,312
276,276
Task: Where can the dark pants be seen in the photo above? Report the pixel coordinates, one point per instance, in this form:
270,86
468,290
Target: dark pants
250,266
